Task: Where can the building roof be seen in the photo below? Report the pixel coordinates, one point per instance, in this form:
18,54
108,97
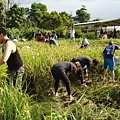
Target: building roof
102,23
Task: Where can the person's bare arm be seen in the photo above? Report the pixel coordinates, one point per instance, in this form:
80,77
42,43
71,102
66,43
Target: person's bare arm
7,52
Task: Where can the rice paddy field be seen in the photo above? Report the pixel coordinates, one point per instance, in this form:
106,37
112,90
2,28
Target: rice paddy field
36,100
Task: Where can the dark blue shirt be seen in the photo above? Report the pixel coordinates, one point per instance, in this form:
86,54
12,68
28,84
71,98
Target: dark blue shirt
109,51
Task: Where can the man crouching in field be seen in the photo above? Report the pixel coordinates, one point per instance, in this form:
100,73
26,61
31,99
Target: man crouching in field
85,63
61,71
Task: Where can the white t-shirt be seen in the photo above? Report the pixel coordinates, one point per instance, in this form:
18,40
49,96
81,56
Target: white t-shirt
72,33
85,42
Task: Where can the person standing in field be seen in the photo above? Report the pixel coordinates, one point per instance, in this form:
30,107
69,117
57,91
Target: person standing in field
85,63
108,55
98,34
72,35
114,33
61,71
12,57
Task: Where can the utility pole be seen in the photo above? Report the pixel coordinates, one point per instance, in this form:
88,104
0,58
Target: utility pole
8,4
4,11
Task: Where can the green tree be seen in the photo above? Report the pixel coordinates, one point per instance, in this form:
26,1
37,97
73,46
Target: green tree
51,20
55,19
15,17
82,15
97,19
2,15
66,19
28,22
39,17
36,14
47,22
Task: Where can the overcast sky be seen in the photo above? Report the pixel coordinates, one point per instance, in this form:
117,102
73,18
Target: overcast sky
103,9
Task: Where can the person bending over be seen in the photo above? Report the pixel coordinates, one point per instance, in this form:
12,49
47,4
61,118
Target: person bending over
85,43
61,71
85,63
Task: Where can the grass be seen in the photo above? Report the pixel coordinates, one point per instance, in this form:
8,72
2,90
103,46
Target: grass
99,101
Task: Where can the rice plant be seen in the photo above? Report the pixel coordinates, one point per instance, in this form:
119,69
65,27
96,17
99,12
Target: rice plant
36,101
